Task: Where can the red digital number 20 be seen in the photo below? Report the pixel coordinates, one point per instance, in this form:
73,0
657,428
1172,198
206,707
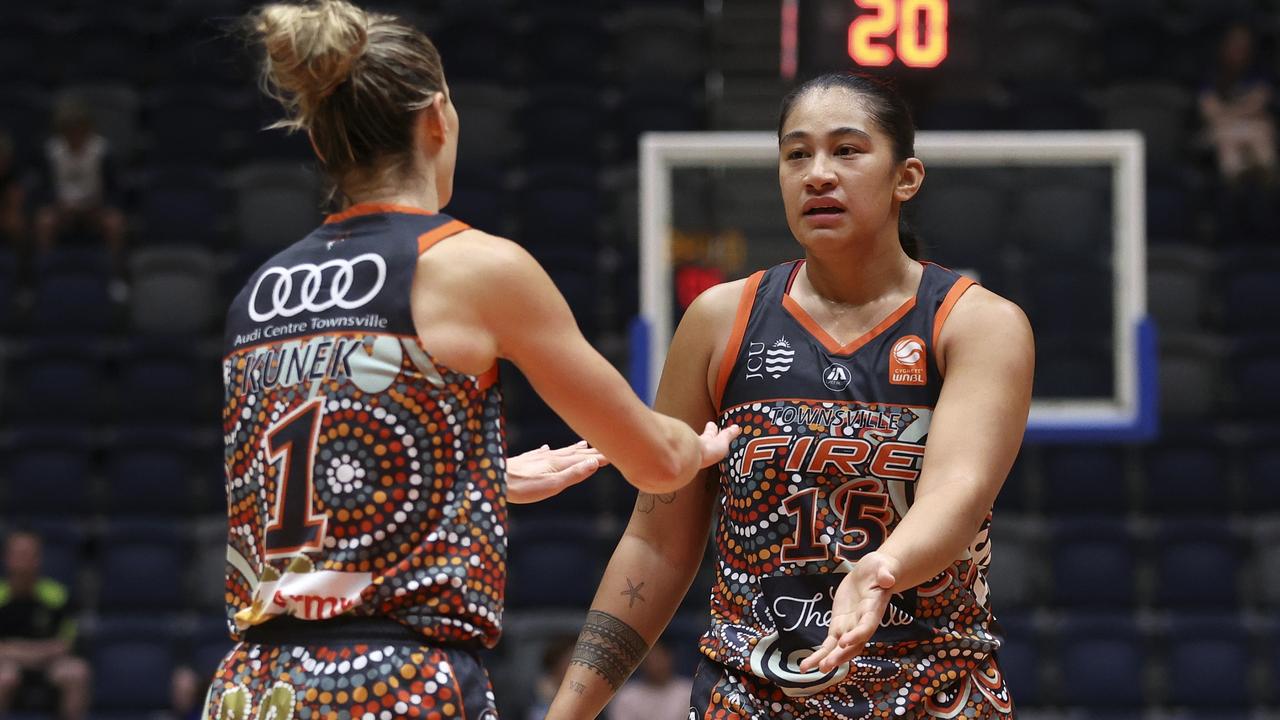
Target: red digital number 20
917,47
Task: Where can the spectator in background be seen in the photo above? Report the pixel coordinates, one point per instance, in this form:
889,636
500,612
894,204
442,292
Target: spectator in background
36,633
656,692
13,224
1236,107
80,180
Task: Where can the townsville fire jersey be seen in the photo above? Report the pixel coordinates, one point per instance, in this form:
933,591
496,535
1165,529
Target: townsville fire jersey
827,463
363,477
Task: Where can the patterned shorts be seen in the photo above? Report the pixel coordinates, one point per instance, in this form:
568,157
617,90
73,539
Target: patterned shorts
349,681
722,693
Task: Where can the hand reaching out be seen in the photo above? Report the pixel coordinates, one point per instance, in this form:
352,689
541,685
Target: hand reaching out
543,473
715,442
856,610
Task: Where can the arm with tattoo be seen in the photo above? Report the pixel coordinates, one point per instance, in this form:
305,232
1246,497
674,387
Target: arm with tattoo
650,572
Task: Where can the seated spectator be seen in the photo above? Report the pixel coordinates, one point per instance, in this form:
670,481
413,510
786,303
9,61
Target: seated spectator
655,692
13,225
1235,105
80,180
36,634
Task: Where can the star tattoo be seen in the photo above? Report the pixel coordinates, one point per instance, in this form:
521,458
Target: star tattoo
633,593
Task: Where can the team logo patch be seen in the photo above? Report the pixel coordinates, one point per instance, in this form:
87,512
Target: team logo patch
907,362
778,358
347,284
836,377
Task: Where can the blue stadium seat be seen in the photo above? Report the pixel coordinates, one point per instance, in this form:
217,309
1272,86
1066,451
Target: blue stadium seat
1209,662
276,204
53,378
970,110
63,541
1254,372
1085,479
1252,282
1071,300
1094,565
162,383
660,46
1190,377
1050,108
554,563
24,113
1016,576
566,46
1074,367
1159,110
1186,478
1262,477
1021,659
479,45
132,665
182,207
1045,45
48,473
656,110
555,111
148,473
479,207
1101,660
142,568
72,296
1178,283
105,51
681,638
1170,206
1197,565
175,117
1070,221
560,209
963,222
174,291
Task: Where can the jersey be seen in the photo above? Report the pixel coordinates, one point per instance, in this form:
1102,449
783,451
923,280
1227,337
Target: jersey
363,477
833,438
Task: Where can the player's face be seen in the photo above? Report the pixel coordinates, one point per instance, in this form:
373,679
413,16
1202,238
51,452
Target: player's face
837,170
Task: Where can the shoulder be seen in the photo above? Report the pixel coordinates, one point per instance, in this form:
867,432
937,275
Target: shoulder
717,303
472,255
51,593
982,318
979,310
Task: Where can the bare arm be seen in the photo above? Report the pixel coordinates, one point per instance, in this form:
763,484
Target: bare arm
516,312
660,552
33,654
976,431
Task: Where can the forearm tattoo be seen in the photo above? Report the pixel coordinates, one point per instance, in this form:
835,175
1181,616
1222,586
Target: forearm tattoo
646,502
610,647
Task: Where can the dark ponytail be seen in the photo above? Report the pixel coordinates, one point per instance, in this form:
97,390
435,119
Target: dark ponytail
888,110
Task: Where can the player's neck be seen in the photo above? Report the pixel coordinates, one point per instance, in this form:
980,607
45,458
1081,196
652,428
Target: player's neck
421,193
858,274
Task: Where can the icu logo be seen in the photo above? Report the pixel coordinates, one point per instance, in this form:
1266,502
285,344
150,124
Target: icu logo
319,287
907,362
836,377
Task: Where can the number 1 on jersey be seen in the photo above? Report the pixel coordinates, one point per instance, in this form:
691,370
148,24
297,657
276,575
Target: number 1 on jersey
294,526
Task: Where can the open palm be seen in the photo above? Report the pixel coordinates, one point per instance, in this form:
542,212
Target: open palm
859,604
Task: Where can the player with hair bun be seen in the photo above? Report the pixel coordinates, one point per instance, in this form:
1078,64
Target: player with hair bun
366,478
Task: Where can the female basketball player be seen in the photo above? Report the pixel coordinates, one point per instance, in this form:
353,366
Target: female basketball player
364,439
882,402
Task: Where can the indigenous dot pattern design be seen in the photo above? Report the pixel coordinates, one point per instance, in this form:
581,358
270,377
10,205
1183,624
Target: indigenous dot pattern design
821,475
349,682
388,467
721,693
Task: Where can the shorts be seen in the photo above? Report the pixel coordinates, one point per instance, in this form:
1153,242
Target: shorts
341,676
723,693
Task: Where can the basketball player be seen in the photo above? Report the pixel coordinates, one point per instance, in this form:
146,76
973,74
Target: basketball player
362,416
882,401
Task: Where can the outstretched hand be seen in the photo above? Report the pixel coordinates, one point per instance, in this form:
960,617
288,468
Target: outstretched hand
856,610
543,473
715,443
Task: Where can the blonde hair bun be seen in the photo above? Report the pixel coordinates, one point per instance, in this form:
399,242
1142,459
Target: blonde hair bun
310,49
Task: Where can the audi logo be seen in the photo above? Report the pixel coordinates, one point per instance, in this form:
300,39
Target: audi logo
312,287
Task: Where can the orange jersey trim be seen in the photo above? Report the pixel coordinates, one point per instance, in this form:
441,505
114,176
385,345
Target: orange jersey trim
944,310
427,239
371,208
731,349
831,344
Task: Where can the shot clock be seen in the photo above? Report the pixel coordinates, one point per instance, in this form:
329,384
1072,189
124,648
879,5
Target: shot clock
901,35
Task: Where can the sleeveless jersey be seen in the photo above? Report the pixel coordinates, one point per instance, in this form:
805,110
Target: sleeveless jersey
363,477
831,449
